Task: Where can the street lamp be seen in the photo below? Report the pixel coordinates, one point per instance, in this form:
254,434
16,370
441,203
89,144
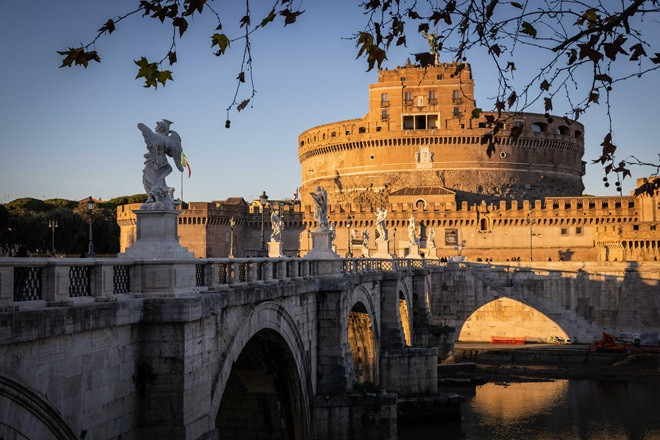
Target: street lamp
348,237
309,233
232,223
90,209
52,224
394,241
263,199
531,222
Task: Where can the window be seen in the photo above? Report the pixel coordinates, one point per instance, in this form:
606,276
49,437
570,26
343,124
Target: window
519,123
408,96
385,114
652,227
617,205
384,97
457,112
579,205
403,78
348,132
455,94
539,127
431,95
408,123
362,130
564,231
578,230
592,205
439,77
605,205
378,128
635,227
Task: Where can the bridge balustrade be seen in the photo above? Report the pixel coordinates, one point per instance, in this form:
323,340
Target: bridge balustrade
34,282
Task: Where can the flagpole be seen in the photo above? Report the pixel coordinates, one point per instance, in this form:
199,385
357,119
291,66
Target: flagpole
181,186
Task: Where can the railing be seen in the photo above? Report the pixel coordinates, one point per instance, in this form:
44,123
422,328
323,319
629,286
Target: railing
41,281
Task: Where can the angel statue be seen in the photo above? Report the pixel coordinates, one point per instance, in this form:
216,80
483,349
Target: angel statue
412,236
160,144
380,224
365,238
321,209
276,225
430,238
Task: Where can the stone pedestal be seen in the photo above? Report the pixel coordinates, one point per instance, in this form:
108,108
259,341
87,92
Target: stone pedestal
432,253
414,252
365,252
167,268
322,250
275,249
382,250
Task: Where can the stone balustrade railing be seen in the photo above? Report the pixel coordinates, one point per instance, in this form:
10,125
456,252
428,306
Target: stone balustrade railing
41,282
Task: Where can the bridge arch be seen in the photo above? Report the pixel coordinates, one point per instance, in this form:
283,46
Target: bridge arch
363,335
267,342
405,313
26,415
511,318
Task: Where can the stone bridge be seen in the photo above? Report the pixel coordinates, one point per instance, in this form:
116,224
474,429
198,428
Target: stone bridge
120,348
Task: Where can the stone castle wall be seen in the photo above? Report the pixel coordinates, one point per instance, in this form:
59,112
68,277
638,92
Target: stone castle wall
419,132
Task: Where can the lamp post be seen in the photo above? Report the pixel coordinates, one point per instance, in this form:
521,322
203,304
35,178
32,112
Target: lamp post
52,224
309,233
263,199
348,237
90,209
394,241
232,223
531,222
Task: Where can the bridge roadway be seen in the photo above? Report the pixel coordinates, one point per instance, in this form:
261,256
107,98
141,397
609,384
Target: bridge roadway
241,348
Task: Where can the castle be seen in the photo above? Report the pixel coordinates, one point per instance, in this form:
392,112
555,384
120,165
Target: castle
424,150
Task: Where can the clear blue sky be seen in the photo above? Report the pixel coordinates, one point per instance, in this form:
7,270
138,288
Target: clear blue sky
72,132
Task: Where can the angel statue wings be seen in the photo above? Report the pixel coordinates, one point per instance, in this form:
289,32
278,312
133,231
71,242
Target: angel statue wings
161,143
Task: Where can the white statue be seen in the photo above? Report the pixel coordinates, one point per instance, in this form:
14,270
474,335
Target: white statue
430,238
321,209
412,235
333,232
276,225
160,144
380,224
365,238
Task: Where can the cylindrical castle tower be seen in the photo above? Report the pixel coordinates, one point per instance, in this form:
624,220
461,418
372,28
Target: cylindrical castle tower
419,134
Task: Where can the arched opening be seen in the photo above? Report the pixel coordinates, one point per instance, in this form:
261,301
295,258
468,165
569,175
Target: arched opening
26,415
508,318
262,397
362,342
405,319
483,224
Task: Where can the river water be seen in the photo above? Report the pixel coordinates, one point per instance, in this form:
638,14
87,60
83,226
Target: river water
562,409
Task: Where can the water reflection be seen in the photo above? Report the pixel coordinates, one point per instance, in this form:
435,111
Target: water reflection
566,409
514,401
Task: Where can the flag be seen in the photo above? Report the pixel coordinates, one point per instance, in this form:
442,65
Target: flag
184,162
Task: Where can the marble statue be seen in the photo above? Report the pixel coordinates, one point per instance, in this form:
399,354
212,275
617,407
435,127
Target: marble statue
333,233
161,144
276,225
365,237
380,224
321,209
430,238
412,236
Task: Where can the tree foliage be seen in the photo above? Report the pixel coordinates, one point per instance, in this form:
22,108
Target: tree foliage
589,47
24,226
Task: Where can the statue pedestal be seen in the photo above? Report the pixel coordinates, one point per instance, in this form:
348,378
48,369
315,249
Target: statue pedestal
431,253
382,250
275,249
414,252
167,269
322,250
365,252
